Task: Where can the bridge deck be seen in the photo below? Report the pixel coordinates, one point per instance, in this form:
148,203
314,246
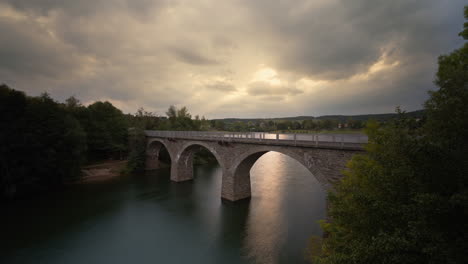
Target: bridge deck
338,141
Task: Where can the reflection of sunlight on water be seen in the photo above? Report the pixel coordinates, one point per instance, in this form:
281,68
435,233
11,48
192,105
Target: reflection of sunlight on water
265,227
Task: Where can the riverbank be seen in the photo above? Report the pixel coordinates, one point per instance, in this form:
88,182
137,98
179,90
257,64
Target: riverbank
101,171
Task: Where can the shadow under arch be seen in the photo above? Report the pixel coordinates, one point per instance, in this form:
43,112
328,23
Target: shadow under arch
155,151
194,147
182,166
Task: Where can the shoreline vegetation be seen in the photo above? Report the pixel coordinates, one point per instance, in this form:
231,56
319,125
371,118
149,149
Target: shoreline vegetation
406,199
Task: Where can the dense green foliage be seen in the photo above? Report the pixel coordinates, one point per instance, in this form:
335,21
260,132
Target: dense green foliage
106,129
137,155
464,33
42,144
406,200
105,126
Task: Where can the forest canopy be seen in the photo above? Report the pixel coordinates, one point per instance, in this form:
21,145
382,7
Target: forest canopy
406,200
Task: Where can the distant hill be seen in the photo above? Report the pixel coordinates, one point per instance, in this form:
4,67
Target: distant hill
340,118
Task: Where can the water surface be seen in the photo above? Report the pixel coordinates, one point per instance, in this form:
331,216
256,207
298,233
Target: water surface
149,219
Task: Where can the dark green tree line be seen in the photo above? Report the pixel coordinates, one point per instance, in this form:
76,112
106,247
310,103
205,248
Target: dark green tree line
42,144
106,128
45,143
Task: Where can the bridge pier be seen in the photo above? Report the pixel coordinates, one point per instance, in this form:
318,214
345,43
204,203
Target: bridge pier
152,156
182,167
235,188
236,180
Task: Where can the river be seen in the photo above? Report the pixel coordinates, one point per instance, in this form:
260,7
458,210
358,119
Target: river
149,219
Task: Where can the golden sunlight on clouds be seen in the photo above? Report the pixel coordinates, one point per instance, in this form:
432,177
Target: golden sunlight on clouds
311,86
267,75
227,58
381,66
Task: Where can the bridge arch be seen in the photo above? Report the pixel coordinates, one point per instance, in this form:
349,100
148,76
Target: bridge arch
193,147
153,149
242,165
182,166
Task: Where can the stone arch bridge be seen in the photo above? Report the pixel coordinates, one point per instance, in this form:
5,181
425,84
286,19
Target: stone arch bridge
325,156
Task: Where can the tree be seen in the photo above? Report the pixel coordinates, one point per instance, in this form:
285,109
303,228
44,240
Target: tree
309,124
406,200
184,113
42,146
464,33
144,120
137,156
171,112
355,124
239,126
180,119
295,125
282,126
72,102
172,115
55,141
12,106
219,125
327,124
106,129
447,109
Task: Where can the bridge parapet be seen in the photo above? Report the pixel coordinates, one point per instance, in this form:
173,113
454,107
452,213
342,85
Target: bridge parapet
339,141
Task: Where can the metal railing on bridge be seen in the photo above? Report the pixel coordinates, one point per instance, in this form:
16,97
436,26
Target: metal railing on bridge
317,140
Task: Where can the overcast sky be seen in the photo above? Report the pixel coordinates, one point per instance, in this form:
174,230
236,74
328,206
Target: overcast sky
231,58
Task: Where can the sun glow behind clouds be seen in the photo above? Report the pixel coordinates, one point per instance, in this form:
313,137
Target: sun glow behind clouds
267,75
319,57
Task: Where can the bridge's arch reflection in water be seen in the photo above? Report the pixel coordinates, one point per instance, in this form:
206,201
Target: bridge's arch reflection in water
286,197
274,225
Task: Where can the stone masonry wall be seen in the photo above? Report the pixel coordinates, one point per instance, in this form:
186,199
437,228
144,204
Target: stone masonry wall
236,160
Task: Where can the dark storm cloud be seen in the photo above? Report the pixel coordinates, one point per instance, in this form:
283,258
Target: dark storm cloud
43,7
191,57
338,39
140,8
328,56
220,86
28,49
401,86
